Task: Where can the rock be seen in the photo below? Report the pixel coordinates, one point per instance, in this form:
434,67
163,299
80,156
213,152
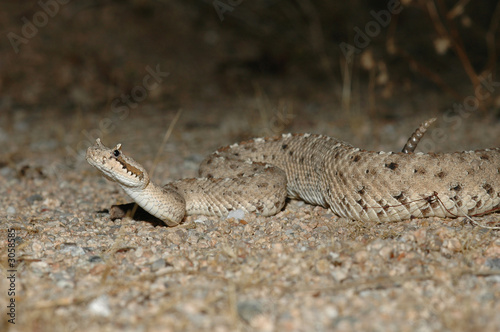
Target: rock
236,214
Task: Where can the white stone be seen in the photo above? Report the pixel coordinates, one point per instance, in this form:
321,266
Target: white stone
11,210
236,214
100,306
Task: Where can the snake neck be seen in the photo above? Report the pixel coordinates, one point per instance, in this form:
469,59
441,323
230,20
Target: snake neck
165,204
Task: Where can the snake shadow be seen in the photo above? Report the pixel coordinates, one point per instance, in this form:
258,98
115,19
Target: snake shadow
135,212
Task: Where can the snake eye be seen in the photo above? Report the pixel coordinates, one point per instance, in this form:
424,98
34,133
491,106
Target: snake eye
116,153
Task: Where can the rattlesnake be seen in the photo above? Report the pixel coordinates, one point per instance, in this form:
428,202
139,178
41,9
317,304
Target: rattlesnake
258,175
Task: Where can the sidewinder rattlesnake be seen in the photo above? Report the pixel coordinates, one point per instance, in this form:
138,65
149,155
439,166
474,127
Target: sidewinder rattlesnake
258,175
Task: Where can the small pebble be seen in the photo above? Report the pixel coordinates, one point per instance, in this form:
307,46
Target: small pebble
100,306
453,245
361,256
95,259
11,210
33,198
323,266
7,172
249,309
158,264
339,274
493,263
386,252
73,250
236,214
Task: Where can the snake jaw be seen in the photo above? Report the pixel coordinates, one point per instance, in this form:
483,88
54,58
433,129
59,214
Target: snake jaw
116,166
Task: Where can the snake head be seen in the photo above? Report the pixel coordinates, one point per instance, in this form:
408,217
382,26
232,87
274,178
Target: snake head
116,166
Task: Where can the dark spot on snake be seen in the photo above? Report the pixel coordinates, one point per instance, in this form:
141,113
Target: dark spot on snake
419,170
284,146
361,191
290,153
209,175
301,160
399,197
479,204
488,188
441,175
356,158
426,212
484,157
367,171
430,199
262,185
391,166
457,188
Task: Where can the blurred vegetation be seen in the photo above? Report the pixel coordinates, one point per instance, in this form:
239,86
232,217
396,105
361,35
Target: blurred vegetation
91,51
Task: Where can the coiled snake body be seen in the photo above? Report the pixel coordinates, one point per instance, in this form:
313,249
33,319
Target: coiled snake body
258,175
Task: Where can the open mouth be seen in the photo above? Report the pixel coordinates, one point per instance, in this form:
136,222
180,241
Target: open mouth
129,168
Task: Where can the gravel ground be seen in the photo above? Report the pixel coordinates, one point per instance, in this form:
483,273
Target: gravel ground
301,270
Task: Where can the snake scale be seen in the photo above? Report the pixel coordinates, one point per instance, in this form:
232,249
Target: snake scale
257,176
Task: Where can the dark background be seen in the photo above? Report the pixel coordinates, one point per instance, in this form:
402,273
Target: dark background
86,54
